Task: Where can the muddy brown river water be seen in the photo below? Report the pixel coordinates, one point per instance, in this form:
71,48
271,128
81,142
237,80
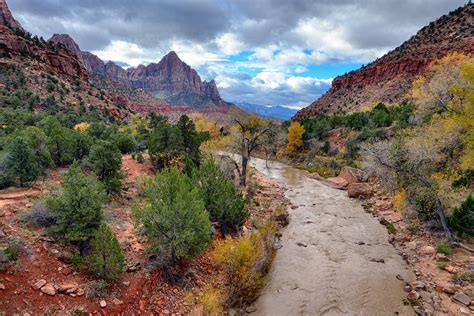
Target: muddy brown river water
330,260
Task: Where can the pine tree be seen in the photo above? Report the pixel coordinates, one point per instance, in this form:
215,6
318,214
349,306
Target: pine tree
106,161
174,218
223,201
105,260
79,207
21,161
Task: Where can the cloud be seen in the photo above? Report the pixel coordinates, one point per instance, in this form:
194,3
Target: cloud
283,39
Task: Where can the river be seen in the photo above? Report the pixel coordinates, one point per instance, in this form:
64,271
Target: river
335,258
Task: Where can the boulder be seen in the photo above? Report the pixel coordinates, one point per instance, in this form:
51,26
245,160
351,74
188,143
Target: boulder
103,303
48,289
359,190
352,175
336,183
39,284
427,250
68,287
462,298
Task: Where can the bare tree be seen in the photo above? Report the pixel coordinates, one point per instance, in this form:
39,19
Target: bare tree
254,134
396,161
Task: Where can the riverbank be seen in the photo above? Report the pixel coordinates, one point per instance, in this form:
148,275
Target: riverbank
444,277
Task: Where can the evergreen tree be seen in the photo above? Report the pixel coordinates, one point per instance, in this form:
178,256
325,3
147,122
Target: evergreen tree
223,201
79,207
105,260
106,160
174,217
21,161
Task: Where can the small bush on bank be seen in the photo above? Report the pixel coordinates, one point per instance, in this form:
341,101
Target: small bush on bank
223,200
244,262
105,260
41,215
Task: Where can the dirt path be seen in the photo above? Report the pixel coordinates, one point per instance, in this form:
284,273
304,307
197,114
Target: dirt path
335,258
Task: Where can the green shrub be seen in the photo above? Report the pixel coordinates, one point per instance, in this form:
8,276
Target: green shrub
105,260
174,218
425,202
224,202
125,142
106,160
79,207
21,161
444,248
462,219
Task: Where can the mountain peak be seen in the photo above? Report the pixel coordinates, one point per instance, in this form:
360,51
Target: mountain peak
6,17
68,43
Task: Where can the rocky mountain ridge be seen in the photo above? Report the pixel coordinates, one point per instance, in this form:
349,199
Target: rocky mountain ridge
6,17
170,80
389,78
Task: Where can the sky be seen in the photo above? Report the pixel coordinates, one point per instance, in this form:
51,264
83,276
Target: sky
271,52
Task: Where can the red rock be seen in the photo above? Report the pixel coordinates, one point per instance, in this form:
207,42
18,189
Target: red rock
49,289
6,17
352,175
359,190
338,181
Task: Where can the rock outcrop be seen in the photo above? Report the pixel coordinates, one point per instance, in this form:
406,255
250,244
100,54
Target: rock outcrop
389,78
6,17
170,80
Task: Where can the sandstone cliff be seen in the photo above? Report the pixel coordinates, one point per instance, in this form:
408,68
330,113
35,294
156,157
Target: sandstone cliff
389,78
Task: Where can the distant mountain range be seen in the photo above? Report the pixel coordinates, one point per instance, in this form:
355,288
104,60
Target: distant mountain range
389,78
270,111
58,68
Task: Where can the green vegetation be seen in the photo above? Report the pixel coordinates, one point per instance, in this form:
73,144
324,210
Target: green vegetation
174,218
106,161
224,202
79,207
105,259
444,248
21,162
462,219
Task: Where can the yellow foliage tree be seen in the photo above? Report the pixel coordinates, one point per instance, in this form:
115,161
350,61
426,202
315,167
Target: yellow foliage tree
435,90
82,127
204,124
295,136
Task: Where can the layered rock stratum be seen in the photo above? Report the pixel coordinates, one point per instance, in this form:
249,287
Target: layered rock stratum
389,78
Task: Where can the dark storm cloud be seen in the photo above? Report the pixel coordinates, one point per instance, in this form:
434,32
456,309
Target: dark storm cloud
278,33
368,24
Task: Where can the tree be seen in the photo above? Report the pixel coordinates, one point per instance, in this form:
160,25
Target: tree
79,207
61,145
174,218
105,259
432,91
410,165
190,139
125,142
106,161
38,141
255,133
222,199
295,136
21,161
462,218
